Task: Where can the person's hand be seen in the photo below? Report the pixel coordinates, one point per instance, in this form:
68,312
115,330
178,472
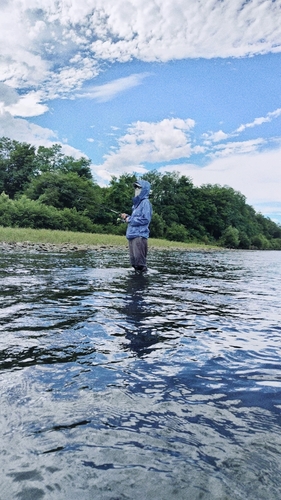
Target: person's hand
124,216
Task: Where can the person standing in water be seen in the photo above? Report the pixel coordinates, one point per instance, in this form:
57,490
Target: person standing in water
138,225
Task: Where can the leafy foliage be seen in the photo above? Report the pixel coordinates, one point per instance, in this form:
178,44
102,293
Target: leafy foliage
230,237
17,166
53,160
24,212
65,190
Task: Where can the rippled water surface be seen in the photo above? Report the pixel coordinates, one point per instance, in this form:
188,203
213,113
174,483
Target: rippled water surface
115,386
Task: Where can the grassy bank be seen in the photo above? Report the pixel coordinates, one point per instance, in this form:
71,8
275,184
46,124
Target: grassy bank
16,235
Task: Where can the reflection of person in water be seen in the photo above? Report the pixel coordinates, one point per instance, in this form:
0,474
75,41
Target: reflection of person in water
138,331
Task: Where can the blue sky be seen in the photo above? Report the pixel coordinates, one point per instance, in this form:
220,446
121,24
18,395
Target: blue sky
137,85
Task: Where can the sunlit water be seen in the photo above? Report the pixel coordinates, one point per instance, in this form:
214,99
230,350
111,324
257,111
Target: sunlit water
115,386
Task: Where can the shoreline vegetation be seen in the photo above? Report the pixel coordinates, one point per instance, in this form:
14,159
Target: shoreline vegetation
25,239
44,189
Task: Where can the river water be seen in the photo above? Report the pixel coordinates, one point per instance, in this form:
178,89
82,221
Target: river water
160,387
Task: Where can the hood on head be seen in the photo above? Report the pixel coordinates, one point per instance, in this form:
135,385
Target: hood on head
144,185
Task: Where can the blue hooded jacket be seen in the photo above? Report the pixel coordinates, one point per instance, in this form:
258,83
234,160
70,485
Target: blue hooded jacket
138,222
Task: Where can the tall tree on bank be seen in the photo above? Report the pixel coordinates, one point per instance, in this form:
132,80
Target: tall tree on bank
53,160
17,166
66,190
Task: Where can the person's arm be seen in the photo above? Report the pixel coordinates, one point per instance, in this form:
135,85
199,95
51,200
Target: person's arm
141,217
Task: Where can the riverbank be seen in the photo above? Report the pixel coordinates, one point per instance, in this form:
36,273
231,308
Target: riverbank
45,240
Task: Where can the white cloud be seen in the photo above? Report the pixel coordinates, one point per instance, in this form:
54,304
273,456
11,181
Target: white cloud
20,105
240,164
149,142
259,121
108,91
235,148
211,137
173,30
27,105
20,61
67,80
21,130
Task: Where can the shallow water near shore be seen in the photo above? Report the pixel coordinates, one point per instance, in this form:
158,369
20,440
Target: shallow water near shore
117,386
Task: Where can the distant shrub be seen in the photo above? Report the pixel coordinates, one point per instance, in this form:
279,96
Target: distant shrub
24,212
176,232
245,241
275,244
260,242
230,237
119,229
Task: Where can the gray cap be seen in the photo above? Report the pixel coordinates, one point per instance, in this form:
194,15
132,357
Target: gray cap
137,184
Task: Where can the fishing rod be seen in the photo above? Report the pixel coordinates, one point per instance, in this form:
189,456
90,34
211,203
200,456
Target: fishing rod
118,213
115,212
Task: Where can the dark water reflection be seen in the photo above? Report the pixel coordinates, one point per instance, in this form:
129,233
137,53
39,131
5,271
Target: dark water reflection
115,386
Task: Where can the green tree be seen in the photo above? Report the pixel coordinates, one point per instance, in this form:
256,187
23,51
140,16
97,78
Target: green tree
267,227
53,160
120,193
117,197
65,190
217,208
172,197
275,244
17,166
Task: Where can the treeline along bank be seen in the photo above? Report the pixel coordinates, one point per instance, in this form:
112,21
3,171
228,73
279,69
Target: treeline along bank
44,188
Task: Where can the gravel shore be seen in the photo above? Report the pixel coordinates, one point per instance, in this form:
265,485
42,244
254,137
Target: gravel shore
27,246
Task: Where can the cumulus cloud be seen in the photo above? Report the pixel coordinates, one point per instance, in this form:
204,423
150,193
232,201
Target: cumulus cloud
27,105
150,144
211,137
20,105
144,142
22,130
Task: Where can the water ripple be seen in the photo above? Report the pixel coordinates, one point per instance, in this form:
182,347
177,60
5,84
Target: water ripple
118,386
